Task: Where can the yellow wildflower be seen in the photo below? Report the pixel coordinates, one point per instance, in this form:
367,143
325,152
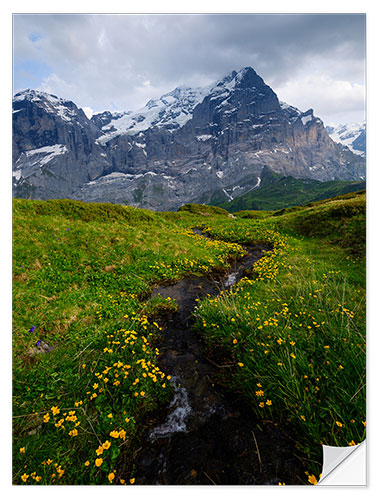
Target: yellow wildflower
132,480
312,479
87,463
24,477
99,451
55,410
111,477
22,450
98,462
339,424
106,445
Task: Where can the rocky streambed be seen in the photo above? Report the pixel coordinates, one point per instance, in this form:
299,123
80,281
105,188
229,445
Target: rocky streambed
208,436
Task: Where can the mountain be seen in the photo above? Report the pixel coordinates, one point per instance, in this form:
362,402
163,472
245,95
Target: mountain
205,145
54,148
276,191
352,135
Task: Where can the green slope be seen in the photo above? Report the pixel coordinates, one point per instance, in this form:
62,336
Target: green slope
290,336
277,192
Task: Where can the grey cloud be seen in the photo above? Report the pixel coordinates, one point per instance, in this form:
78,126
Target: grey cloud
104,58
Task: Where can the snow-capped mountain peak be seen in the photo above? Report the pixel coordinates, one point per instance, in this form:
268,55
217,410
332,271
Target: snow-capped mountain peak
173,109
352,135
63,108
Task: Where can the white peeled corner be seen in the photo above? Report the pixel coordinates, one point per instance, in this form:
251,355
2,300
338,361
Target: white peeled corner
344,466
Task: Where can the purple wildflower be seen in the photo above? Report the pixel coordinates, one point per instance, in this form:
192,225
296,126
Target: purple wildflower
32,329
38,343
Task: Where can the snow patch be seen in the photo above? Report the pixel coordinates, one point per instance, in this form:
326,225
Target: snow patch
17,174
204,137
306,119
47,153
256,185
230,198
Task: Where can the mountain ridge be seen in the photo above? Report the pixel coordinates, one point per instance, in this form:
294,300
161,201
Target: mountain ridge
351,135
203,146
276,191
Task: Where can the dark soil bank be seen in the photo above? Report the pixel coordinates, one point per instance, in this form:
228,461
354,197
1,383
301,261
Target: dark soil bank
209,437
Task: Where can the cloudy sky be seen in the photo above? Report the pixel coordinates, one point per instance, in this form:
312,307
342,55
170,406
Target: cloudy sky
118,62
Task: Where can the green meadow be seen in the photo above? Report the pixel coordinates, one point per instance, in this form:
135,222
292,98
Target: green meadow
85,331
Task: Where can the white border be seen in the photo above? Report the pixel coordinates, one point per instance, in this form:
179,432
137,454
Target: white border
194,6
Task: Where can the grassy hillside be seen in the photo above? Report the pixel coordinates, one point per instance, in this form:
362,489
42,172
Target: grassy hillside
277,192
85,358
296,328
81,274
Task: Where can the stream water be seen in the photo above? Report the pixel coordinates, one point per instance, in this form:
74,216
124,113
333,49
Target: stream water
208,436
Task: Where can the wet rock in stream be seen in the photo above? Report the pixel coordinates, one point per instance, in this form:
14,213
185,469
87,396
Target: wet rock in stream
209,437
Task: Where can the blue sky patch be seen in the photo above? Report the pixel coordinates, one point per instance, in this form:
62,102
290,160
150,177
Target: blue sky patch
35,36
29,74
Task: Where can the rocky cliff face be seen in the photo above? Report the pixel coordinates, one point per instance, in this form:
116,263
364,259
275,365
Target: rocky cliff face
54,147
192,145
